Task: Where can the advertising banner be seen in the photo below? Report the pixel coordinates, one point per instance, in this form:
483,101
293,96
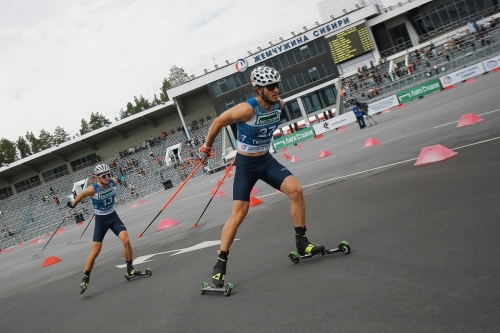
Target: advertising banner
383,104
289,140
492,63
462,75
418,91
334,123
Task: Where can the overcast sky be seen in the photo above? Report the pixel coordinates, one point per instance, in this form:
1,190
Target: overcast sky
61,60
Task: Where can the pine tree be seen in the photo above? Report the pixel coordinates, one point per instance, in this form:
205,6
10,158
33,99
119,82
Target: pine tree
46,140
8,153
84,128
97,121
23,147
35,144
177,76
60,135
163,95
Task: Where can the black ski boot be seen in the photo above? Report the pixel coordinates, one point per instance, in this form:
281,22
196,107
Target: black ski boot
85,282
133,272
303,245
219,272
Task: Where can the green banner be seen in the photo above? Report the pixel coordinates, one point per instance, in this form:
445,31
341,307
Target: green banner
418,91
296,137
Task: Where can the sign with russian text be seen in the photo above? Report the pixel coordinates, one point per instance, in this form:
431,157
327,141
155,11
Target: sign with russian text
383,104
418,91
462,75
296,137
334,123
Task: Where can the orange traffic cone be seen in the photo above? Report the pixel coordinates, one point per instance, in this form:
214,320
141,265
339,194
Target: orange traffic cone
254,201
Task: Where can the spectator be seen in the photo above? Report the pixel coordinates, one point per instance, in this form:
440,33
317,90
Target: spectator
56,200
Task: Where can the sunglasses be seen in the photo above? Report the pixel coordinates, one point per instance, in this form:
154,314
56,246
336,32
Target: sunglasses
106,175
273,86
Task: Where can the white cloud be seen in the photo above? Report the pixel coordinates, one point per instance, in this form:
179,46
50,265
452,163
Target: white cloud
61,60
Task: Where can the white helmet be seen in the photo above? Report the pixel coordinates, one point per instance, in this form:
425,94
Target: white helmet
101,168
263,75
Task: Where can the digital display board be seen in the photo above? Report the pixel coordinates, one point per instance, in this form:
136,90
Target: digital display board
350,43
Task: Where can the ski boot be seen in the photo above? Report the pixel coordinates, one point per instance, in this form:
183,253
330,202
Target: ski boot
303,245
218,277
132,273
85,283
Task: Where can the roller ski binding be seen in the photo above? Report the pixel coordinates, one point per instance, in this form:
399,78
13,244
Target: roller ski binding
218,277
133,273
85,283
343,247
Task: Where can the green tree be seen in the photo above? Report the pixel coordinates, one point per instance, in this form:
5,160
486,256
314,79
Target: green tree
84,127
8,153
156,101
60,135
35,144
46,140
163,95
177,76
97,121
23,147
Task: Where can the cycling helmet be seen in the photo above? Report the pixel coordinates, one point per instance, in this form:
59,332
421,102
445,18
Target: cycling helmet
101,168
263,75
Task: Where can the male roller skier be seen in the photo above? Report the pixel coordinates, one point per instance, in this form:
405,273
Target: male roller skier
256,120
103,194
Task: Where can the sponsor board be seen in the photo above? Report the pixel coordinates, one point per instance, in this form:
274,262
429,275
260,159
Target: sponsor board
492,63
296,137
418,91
462,75
334,122
383,104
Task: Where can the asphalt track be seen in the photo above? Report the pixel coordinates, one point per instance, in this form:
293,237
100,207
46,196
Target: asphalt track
424,241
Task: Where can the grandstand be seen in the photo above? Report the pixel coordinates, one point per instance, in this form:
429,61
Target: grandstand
136,147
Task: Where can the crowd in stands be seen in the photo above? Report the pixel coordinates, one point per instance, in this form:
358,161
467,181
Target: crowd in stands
431,60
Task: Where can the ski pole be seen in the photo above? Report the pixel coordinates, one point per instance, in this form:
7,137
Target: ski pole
213,195
87,225
175,193
60,224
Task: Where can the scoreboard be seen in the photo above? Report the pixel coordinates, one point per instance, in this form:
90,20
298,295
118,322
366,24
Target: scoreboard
350,43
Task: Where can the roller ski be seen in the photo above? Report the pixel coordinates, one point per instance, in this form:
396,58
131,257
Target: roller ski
85,283
343,247
133,273
218,277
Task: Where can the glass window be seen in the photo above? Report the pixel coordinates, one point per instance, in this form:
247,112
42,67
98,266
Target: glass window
276,64
236,79
230,83
300,80
242,77
320,45
321,71
285,87
313,72
298,55
223,86
229,105
436,20
313,49
329,68
305,52
293,84
284,61
443,13
291,59
215,88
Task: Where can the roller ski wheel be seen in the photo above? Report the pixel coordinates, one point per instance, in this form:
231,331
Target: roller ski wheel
147,272
225,290
343,247
83,287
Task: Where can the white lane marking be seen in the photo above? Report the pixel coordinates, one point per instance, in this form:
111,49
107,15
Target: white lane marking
202,245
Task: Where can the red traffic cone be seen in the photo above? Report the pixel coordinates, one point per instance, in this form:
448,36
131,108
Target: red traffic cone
399,107
284,150
294,159
221,194
229,175
51,261
59,231
341,128
254,190
166,224
319,136
324,153
287,157
469,119
299,146
212,191
254,201
449,87
434,154
470,80
371,142
386,111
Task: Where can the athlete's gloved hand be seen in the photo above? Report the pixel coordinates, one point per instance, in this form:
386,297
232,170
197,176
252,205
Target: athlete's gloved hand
206,151
70,205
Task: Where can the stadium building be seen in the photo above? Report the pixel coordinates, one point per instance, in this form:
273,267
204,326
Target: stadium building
356,51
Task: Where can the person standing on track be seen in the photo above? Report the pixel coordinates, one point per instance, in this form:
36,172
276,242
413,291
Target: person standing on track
256,120
359,115
103,192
